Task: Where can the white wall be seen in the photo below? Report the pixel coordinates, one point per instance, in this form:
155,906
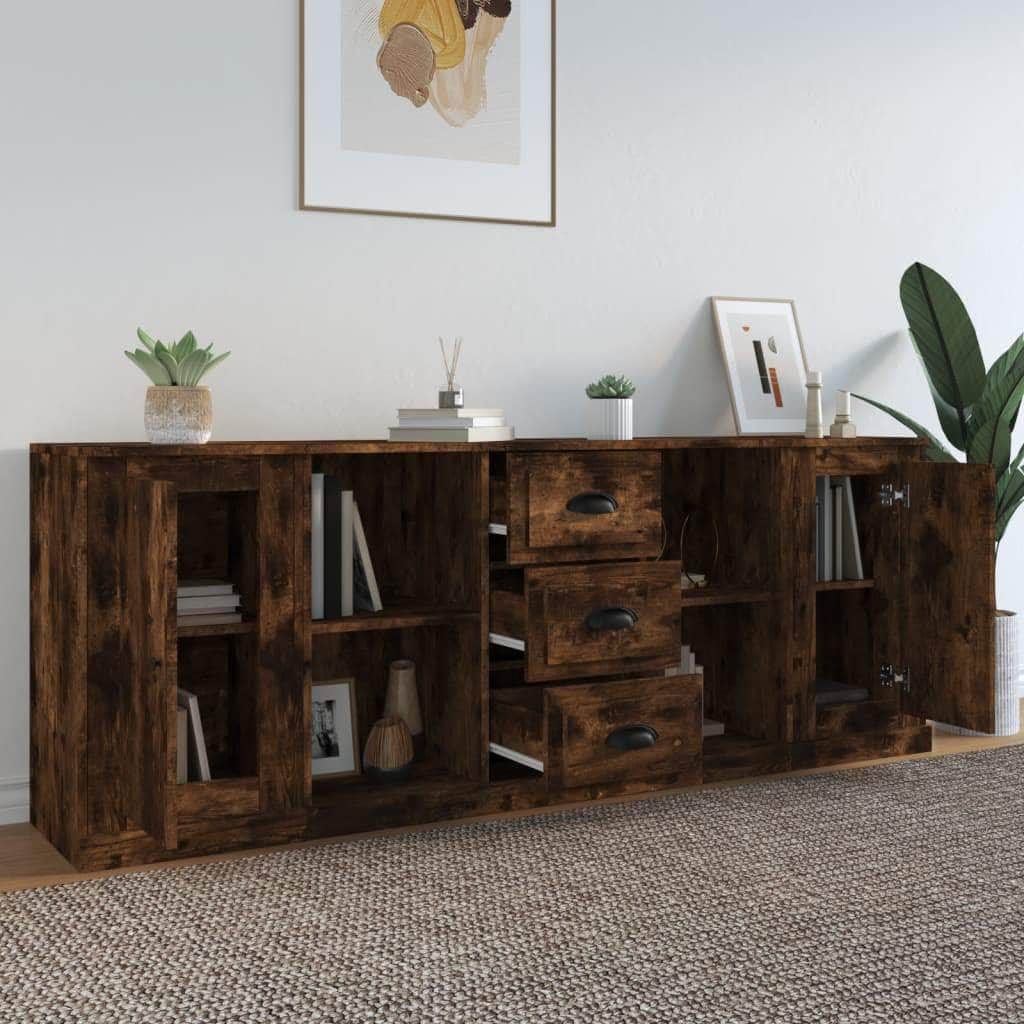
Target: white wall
805,149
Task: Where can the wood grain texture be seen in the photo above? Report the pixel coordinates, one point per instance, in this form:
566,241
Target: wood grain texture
580,720
58,654
152,578
862,746
206,475
542,529
949,593
561,645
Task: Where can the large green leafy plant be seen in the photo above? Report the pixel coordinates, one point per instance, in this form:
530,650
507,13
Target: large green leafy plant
181,364
977,410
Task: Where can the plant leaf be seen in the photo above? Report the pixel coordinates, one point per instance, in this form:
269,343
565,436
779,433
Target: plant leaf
992,421
945,340
211,364
936,450
146,340
185,347
192,367
150,366
1010,496
169,362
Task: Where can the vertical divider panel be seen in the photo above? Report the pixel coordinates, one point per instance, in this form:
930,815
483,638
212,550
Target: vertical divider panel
282,693
484,675
304,622
151,583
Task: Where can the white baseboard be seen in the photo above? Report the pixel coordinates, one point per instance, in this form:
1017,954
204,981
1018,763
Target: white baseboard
13,801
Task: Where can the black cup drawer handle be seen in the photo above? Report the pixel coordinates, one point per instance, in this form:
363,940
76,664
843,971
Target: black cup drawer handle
603,620
592,503
632,737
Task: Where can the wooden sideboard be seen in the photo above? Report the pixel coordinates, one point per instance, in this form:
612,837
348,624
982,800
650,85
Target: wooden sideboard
570,549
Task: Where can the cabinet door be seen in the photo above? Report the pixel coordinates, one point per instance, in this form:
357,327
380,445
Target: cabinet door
948,582
152,530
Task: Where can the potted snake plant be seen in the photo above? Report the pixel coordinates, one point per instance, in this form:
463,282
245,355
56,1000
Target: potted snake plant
977,412
178,409
610,409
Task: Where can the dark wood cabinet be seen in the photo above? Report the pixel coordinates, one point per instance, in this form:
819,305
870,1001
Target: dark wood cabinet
535,584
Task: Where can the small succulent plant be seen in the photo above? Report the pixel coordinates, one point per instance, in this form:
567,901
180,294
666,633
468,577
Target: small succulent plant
182,364
611,386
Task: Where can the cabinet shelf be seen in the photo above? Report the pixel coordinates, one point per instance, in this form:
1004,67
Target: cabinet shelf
725,593
398,618
824,587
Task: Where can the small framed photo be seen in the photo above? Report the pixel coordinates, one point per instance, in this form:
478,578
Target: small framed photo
335,733
765,364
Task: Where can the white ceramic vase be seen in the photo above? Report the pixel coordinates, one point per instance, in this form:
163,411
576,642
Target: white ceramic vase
176,415
1007,682
610,419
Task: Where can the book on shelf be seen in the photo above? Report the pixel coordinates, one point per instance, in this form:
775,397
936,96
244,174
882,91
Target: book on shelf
216,603
204,588
449,418
343,577
181,766
365,593
823,509
853,563
837,530
443,414
209,619
456,434
198,761
837,535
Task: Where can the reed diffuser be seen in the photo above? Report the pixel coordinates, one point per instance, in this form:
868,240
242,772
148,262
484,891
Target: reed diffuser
450,397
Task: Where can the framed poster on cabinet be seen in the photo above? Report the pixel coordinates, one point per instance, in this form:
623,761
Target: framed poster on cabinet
429,108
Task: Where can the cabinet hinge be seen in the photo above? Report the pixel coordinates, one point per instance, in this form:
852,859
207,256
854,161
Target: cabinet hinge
889,496
888,676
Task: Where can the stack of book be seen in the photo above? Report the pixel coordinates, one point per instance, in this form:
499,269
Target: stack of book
342,574
688,667
208,603
452,425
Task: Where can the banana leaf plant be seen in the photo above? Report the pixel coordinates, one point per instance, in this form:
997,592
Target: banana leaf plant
977,410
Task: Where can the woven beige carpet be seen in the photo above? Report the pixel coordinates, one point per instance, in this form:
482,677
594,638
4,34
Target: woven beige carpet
886,894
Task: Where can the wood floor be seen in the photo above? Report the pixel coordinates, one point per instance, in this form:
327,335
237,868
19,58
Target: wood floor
27,860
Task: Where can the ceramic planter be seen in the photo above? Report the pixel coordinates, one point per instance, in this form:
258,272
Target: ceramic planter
610,419
176,415
1007,681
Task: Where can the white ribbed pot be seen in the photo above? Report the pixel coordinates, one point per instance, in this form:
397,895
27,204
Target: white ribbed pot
610,419
177,415
1007,682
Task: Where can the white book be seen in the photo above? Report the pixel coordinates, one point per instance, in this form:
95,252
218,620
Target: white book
713,728
204,588
347,553
209,619
216,603
853,564
837,531
366,594
452,434
317,554
456,422
441,414
199,763
182,749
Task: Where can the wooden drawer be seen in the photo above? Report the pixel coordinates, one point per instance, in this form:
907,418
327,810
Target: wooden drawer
597,733
592,620
571,507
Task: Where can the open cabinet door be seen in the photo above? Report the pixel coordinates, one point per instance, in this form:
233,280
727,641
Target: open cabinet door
948,591
151,581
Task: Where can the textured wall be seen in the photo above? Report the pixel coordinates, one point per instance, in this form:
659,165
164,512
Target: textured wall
149,156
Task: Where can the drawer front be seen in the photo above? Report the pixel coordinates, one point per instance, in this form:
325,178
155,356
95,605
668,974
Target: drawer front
602,619
626,731
585,506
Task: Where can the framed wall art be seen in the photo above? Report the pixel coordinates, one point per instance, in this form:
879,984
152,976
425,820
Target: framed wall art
334,734
429,108
765,364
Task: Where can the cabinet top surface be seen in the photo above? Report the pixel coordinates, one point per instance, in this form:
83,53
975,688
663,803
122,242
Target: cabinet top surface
118,449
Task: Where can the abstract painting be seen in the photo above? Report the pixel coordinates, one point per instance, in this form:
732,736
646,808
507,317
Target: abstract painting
431,108
765,364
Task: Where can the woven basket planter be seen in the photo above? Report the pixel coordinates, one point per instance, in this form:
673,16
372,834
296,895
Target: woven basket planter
1007,682
177,415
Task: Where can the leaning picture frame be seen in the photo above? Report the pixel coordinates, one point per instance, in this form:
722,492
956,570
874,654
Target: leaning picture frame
334,729
765,363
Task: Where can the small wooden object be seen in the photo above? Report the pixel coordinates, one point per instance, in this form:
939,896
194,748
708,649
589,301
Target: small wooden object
403,701
389,751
